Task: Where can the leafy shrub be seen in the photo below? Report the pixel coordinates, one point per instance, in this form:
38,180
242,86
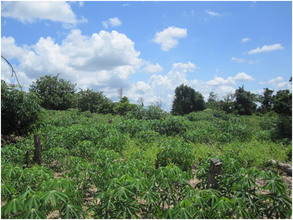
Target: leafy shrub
132,126
171,126
113,140
202,132
175,151
20,111
200,116
54,93
147,136
256,153
269,121
238,129
146,113
283,130
202,151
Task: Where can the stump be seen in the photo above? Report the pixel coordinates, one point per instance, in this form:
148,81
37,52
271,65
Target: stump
215,169
38,150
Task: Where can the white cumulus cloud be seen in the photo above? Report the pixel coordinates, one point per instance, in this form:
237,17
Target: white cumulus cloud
266,48
238,60
153,68
278,83
102,60
168,37
31,11
219,81
114,22
243,77
244,40
183,67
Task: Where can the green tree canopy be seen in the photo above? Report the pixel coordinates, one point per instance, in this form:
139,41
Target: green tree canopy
55,93
123,106
267,100
90,100
244,104
228,103
187,100
212,101
19,110
283,102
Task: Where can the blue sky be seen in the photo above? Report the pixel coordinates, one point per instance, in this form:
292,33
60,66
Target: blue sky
150,48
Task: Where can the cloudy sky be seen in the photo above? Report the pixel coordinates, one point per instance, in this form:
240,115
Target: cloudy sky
150,48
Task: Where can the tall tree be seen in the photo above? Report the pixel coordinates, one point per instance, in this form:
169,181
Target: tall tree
283,102
267,100
228,102
90,100
123,106
20,111
244,104
283,106
212,101
55,93
187,100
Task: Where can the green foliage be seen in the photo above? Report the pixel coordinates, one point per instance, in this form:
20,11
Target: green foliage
123,106
172,126
267,100
175,151
55,94
20,111
244,104
256,153
240,194
283,102
148,113
113,140
88,100
187,100
141,168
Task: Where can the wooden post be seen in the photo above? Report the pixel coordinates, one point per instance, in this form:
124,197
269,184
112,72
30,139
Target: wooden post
38,150
27,158
215,169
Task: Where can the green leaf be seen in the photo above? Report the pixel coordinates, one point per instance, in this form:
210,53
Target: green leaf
32,202
6,190
53,196
14,205
222,205
33,214
72,211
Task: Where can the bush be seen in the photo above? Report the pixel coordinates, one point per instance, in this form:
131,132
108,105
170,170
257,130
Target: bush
148,113
257,153
175,151
172,126
55,94
20,111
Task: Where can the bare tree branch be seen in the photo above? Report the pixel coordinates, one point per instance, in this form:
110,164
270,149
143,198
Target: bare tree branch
12,71
120,92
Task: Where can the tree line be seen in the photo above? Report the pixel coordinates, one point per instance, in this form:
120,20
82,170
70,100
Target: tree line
20,110
241,102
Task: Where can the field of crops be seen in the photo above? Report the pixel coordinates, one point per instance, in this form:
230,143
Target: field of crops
104,166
